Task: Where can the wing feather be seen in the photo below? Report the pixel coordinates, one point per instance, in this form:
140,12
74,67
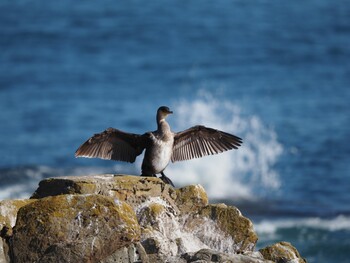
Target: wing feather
113,144
199,141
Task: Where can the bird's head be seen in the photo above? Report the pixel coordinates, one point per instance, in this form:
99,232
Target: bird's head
163,112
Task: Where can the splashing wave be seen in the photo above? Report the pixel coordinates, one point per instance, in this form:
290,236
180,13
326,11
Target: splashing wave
245,173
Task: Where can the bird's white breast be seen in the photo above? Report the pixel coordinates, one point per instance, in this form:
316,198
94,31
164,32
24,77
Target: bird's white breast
161,153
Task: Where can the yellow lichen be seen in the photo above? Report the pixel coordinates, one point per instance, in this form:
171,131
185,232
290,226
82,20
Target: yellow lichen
87,188
230,221
190,198
281,251
156,209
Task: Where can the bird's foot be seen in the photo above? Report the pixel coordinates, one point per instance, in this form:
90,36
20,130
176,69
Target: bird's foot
149,175
166,179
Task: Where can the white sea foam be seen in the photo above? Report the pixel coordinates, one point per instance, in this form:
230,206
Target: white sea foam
18,191
234,174
270,227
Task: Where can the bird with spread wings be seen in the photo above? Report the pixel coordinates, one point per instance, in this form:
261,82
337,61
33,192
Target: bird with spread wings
161,145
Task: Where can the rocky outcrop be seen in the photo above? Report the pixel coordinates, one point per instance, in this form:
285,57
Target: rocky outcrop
77,227
113,218
282,252
231,225
8,216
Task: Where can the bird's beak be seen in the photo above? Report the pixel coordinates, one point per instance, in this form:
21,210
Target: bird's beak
170,112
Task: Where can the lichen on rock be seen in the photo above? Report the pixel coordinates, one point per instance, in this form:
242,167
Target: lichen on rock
120,218
236,230
131,189
190,198
76,228
282,252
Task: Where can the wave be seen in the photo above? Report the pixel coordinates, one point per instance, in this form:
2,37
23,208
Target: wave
271,227
243,174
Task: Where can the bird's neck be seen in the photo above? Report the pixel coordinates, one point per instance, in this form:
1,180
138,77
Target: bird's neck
163,126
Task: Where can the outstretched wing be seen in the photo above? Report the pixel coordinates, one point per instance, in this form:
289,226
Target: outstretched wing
113,144
199,141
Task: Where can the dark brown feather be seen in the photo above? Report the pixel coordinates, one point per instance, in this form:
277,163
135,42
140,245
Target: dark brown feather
113,144
199,141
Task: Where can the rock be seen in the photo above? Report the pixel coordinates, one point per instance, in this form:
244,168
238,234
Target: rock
282,252
8,216
209,255
120,218
191,198
73,228
167,234
160,228
9,209
133,253
132,189
149,196
237,233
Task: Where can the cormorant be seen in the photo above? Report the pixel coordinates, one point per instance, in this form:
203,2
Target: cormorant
162,145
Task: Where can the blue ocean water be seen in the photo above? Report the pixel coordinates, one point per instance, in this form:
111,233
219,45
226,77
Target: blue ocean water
276,73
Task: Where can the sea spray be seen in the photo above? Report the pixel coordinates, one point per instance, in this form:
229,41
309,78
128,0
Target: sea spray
245,173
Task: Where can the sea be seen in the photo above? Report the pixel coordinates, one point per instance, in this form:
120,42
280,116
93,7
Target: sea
275,73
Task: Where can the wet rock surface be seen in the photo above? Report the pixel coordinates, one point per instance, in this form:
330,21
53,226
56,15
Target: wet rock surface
117,218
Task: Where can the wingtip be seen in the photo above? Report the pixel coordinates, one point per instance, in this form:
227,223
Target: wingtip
78,153
239,140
